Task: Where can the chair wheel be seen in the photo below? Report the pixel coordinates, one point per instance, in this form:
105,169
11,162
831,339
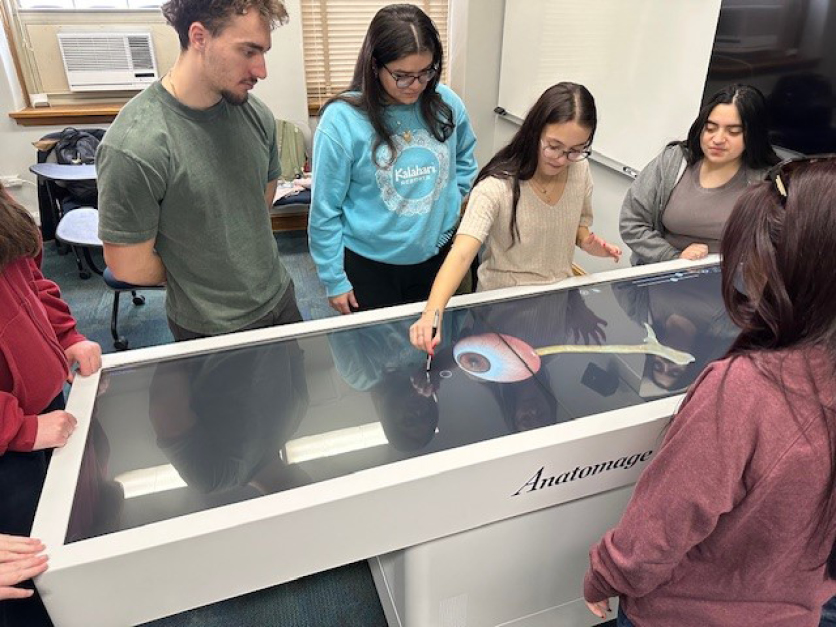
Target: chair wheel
84,275
121,344
139,300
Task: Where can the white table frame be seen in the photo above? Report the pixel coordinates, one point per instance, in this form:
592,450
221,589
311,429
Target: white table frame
144,573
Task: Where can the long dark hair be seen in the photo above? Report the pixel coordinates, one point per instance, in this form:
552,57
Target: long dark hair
778,252
19,235
751,107
397,31
564,102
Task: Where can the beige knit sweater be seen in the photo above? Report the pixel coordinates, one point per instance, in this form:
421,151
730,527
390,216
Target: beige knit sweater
544,251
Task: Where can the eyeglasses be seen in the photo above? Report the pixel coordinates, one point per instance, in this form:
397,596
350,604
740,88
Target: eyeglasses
405,80
781,173
572,155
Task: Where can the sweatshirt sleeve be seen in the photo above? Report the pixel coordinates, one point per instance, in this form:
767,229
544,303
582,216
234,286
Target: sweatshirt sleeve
465,160
17,430
57,311
695,478
638,215
356,361
331,178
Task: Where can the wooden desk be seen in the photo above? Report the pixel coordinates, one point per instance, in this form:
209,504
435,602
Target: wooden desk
292,213
292,222
296,221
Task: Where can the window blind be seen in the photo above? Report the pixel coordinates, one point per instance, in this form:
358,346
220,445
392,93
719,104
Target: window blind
333,31
95,5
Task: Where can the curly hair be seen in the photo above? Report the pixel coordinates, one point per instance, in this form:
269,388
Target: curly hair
214,14
19,235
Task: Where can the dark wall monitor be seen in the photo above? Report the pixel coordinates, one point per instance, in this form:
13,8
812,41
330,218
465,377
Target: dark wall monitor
784,48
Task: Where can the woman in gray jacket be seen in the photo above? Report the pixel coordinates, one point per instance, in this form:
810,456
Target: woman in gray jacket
678,205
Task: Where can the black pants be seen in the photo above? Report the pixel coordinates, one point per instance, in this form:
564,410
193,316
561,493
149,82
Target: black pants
21,481
378,284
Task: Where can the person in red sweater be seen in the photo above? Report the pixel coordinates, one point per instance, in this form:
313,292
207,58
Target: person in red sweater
734,521
39,350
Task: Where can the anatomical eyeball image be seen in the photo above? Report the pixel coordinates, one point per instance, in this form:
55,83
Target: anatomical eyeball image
496,357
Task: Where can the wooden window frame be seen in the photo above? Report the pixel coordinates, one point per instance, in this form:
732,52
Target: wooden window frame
101,109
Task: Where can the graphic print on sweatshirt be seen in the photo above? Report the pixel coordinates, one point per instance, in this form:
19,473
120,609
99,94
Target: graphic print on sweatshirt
411,183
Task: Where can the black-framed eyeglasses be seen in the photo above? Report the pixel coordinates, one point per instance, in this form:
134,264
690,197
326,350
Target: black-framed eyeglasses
405,80
781,173
555,152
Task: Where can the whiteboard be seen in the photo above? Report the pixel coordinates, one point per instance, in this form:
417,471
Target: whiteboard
645,62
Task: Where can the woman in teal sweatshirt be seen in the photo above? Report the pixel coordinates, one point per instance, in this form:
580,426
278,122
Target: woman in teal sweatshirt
392,162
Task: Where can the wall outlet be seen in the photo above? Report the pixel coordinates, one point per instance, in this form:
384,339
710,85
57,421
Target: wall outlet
11,180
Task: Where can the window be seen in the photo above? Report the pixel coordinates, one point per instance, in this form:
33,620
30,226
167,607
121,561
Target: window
94,5
34,27
333,31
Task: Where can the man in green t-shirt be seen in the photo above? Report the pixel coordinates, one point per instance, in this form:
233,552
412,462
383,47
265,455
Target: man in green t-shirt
188,170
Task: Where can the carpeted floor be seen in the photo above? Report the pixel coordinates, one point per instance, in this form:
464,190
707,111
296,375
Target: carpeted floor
343,597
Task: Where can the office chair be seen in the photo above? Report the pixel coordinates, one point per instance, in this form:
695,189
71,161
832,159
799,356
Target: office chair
120,343
78,228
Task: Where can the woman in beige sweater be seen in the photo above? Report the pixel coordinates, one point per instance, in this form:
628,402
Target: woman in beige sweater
531,205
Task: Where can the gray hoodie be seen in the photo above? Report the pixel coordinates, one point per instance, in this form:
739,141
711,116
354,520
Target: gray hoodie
641,213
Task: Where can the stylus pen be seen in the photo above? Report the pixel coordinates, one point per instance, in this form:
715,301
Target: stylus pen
435,330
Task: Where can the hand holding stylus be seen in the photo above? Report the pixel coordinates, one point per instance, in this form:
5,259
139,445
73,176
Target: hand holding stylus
425,333
434,332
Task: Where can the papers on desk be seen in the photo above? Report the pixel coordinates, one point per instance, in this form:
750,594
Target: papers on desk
291,188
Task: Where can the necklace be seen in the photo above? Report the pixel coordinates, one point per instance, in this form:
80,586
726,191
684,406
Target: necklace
547,189
406,133
171,84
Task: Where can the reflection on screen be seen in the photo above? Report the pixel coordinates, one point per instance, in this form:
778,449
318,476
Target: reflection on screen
198,432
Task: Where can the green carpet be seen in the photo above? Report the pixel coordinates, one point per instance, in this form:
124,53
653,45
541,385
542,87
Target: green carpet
91,301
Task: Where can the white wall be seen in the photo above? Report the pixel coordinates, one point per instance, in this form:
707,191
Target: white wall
283,91
475,55
16,150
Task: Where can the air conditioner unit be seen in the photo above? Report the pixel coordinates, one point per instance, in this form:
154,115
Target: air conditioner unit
96,61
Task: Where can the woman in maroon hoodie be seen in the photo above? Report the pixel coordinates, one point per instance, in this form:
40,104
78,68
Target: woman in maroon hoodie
734,521
39,349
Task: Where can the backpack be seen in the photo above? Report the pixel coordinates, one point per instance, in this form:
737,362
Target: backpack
76,147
